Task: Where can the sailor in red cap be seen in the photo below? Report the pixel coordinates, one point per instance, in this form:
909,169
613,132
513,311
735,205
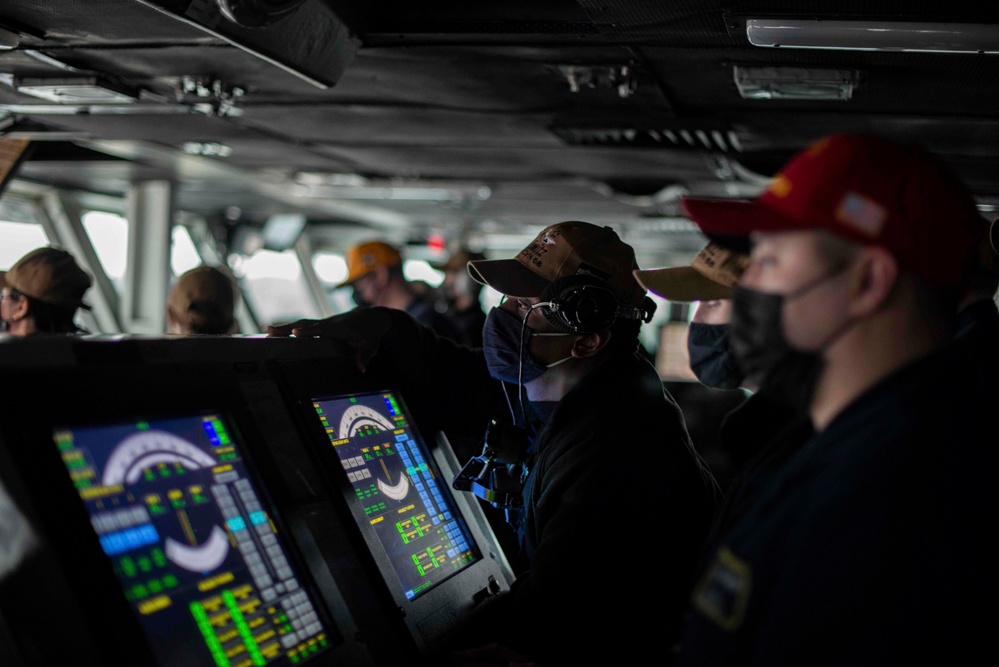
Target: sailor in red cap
870,544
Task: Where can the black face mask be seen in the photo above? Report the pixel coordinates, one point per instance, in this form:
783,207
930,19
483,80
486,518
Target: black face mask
359,300
711,356
763,353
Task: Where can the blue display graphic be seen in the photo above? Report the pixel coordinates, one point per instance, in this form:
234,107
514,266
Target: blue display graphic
192,543
389,467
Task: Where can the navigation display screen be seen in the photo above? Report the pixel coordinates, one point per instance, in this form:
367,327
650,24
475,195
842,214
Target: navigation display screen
404,500
194,543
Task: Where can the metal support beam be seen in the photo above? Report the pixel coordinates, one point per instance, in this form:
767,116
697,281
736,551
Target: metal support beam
147,274
205,244
193,167
303,250
63,224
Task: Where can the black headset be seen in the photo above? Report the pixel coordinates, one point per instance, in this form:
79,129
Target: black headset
583,304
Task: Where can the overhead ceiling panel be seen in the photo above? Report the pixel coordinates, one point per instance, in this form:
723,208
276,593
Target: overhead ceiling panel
479,93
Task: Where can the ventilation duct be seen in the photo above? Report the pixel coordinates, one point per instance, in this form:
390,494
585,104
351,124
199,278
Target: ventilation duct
310,42
257,13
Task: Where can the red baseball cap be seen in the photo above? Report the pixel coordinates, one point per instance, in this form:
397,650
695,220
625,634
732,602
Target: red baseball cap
866,189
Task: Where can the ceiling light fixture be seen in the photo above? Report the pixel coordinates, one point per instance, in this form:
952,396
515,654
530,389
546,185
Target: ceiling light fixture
874,35
794,83
207,148
76,90
444,193
326,178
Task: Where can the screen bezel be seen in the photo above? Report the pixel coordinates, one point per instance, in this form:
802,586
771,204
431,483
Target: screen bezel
63,520
290,549
432,618
361,518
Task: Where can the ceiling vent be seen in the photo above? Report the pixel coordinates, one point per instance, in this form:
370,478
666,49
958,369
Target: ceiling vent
688,138
257,13
80,90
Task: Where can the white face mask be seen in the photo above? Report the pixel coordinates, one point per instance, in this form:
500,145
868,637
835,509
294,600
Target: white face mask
559,362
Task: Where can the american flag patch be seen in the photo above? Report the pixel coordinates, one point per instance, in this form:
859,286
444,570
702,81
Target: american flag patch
861,213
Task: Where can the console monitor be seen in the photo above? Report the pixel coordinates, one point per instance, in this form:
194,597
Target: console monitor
404,498
197,547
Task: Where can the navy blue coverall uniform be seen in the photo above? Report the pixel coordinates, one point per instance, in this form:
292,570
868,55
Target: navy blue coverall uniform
872,544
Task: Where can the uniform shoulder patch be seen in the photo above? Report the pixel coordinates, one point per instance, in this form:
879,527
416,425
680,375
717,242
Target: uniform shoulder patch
723,593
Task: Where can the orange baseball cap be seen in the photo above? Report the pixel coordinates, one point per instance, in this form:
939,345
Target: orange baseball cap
364,258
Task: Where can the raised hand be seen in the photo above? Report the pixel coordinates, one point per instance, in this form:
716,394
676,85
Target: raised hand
361,329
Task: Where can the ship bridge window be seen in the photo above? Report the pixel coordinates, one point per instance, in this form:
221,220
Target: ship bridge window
183,253
108,232
275,286
18,239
